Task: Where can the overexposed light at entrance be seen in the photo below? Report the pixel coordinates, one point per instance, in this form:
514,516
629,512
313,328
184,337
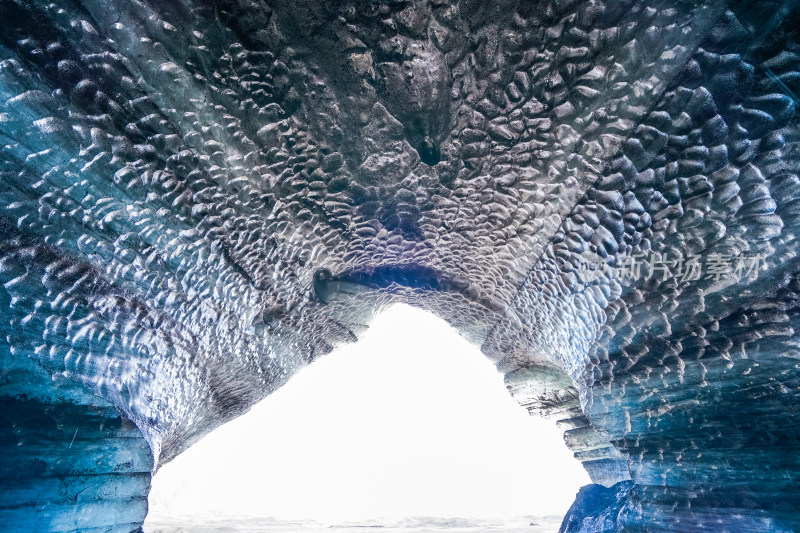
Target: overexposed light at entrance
410,421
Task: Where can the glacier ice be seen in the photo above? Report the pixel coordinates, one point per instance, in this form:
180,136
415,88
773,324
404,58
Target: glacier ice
199,198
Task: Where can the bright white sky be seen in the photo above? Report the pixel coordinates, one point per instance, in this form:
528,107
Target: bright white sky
410,421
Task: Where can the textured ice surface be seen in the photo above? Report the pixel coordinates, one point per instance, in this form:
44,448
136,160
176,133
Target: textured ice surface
198,198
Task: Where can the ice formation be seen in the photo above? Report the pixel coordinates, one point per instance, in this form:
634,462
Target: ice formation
198,198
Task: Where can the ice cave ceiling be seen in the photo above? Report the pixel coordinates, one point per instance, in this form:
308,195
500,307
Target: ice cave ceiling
198,198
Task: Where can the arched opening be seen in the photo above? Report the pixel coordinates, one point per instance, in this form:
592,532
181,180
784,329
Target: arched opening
411,425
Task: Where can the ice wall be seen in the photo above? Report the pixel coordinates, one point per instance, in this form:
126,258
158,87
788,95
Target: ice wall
198,198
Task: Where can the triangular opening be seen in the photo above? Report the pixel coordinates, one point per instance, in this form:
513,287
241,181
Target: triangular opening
411,424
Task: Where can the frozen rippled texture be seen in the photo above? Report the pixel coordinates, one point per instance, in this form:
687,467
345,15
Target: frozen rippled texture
198,198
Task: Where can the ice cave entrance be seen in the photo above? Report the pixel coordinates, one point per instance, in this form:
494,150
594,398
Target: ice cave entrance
412,421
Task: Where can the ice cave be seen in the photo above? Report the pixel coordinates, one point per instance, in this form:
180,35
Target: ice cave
413,433
200,198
